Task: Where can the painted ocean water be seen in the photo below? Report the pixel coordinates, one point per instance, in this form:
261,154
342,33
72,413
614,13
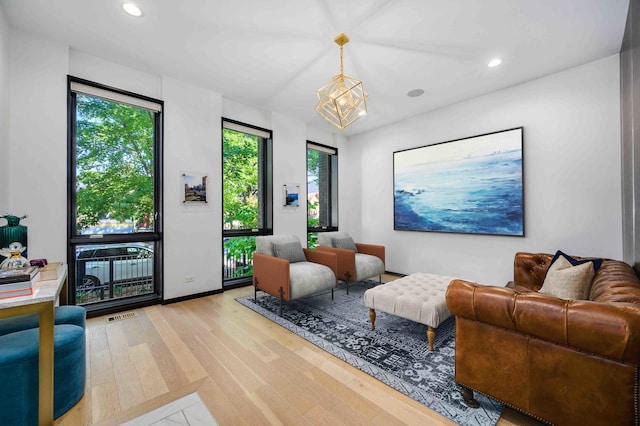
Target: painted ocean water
479,194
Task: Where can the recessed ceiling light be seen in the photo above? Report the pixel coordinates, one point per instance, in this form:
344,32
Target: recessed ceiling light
132,9
494,62
415,93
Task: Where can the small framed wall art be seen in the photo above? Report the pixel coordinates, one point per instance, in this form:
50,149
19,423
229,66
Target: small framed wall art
193,188
290,195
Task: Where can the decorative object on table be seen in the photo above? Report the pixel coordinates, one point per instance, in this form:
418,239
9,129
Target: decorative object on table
18,281
194,188
472,185
50,271
13,231
290,195
40,263
342,100
14,258
396,353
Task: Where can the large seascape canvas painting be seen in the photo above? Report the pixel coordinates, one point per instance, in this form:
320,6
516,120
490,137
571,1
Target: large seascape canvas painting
472,185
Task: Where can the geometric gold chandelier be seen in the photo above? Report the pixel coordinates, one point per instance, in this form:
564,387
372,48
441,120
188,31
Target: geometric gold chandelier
342,100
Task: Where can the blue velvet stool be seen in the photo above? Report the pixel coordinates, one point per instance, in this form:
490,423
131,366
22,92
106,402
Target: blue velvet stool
19,365
62,315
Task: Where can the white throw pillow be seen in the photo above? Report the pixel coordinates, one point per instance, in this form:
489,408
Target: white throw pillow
566,281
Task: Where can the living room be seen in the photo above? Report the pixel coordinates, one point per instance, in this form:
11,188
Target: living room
576,170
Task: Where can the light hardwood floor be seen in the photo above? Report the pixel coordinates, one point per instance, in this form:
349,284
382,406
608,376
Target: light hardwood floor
247,370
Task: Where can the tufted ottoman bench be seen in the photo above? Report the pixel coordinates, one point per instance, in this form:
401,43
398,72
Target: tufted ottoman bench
417,297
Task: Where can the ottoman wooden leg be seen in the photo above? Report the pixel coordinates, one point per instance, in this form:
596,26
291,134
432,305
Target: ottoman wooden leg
372,317
431,336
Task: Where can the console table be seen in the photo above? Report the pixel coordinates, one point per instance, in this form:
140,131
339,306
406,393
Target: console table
45,296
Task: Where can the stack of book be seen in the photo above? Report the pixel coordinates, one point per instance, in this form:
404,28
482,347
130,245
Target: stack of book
18,282
50,271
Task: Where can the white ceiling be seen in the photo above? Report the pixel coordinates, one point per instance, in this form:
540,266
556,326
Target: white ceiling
274,54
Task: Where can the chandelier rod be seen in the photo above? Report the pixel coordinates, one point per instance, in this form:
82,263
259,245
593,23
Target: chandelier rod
341,40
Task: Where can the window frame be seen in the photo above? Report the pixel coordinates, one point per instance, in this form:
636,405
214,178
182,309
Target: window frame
332,187
266,192
75,239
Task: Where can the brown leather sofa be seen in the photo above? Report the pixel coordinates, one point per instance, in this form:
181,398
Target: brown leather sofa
565,362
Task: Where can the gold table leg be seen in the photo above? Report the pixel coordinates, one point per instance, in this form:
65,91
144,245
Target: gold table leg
45,354
45,391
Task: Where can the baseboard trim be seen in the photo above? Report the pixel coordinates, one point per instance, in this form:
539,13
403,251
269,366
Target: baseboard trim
191,296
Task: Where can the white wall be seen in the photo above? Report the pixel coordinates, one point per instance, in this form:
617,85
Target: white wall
38,141
38,136
4,114
572,165
192,234
289,168
571,175
192,143
93,68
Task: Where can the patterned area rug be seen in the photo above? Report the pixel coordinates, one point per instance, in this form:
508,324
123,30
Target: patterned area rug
396,352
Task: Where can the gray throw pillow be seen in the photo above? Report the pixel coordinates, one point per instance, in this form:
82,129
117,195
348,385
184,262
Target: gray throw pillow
290,251
345,243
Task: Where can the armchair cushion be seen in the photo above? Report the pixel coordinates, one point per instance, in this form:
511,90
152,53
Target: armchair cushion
308,278
368,266
291,251
345,243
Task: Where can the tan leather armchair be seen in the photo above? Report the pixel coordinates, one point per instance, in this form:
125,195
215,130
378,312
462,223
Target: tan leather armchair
366,261
282,268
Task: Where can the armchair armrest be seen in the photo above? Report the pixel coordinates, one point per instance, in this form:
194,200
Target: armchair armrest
270,274
597,328
346,262
372,249
324,258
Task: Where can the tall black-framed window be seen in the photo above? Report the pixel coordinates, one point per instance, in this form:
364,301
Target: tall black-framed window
114,197
322,190
247,196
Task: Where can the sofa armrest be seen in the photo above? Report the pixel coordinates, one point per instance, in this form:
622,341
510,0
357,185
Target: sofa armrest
346,262
325,258
597,328
530,269
270,274
372,249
